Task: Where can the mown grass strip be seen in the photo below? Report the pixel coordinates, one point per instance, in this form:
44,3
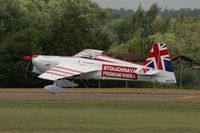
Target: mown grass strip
98,117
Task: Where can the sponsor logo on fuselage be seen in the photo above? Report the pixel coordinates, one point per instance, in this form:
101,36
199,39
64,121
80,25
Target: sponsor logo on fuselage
119,72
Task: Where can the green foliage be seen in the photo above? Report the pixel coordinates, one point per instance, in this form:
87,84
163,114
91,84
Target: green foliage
181,35
137,29
59,27
64,27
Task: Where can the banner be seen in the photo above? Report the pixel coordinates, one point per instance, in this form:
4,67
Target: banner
119,72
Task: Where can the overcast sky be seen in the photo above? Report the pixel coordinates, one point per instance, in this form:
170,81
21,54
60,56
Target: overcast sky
133,4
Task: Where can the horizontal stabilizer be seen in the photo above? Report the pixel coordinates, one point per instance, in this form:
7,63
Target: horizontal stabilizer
146,71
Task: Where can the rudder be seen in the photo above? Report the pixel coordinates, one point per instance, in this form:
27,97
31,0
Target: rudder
159,58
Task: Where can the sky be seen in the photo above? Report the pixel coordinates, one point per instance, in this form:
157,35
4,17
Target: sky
133,4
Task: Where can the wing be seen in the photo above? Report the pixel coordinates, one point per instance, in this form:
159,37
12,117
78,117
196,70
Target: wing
65,70
89,53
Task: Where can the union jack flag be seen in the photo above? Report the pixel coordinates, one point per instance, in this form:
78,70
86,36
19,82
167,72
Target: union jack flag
159,58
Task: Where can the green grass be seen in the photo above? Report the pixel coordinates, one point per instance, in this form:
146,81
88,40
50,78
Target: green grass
99,117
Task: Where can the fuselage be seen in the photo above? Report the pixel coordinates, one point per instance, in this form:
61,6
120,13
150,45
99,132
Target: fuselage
114,70
106,68
93,64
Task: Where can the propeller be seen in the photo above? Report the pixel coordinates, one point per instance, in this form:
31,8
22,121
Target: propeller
27,68
29,60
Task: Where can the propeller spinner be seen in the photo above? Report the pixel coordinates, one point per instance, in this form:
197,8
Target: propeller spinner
29,58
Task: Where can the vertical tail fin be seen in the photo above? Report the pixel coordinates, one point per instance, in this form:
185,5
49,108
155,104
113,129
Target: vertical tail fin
159,58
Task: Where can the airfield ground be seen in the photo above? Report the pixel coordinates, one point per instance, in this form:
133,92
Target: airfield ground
100,111
103,94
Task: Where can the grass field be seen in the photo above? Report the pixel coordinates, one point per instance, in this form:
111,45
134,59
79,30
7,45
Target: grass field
99,117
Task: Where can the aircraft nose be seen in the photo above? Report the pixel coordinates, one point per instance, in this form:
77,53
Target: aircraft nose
29,58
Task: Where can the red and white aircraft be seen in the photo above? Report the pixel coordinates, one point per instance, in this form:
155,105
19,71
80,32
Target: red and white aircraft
92,64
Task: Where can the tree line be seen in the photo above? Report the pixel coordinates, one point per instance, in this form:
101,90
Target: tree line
187,12
65,27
